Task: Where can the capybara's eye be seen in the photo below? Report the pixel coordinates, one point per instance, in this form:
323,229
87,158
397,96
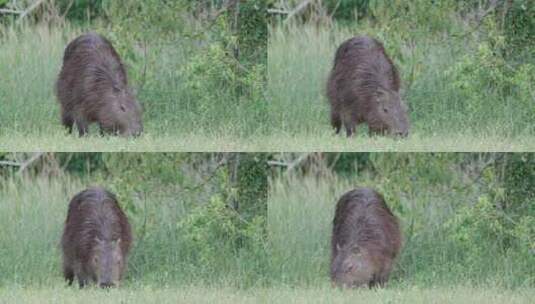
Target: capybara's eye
385,110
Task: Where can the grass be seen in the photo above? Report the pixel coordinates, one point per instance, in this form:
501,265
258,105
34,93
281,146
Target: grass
285,142
443,119
150,294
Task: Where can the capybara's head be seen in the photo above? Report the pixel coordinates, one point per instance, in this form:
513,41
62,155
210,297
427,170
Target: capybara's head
389,114
108,262
124,117
351,267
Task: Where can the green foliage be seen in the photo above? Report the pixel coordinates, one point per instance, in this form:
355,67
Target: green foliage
486,74
252,185
216,227
519,28
81,10
346,10
253,32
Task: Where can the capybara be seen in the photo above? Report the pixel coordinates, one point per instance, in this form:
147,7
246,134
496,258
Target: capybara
96,239
363,87
366,240
92,87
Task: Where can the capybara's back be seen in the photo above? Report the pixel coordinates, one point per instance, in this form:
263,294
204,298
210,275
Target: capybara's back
366,239
96,239
363,87
92,87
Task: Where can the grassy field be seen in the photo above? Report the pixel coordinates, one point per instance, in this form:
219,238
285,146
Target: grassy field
443,116
151,294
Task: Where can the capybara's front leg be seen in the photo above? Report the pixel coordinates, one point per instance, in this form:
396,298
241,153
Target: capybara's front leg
83,127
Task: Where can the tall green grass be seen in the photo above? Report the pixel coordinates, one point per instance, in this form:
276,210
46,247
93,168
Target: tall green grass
430,194
433,72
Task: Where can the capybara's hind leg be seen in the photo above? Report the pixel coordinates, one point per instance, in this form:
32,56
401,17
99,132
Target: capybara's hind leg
336,121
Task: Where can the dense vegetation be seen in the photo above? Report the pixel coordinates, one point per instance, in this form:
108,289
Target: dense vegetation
467,67
468,219
199,67
197,218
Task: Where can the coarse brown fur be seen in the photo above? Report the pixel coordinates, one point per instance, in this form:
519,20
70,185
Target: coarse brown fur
363,87
366,239
96,239
92,87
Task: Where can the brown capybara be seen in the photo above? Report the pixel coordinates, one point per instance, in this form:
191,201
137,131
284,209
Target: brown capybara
96,239
92,87
363,87
366,240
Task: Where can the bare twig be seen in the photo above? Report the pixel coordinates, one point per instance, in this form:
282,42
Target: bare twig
298,9
277,11
9,163
30,9
22,165
28,162
10,11
292,165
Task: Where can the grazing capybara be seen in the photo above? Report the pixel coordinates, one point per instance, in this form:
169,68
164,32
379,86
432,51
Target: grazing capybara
363,87
96,239
366,240
92,87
